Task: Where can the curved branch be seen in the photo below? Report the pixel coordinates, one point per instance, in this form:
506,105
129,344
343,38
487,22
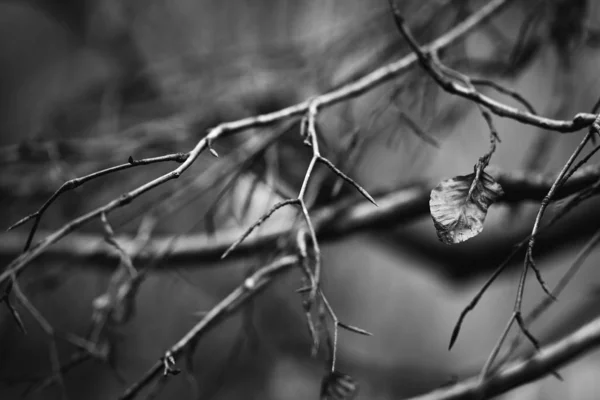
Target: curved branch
546,360
249,288
425,55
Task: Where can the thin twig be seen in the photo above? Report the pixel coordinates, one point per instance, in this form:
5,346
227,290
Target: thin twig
473,303
332,222
336,325
77,182
258,223
251,286
560,286
504,90
423,54
529,262
310,277
548,358
48,330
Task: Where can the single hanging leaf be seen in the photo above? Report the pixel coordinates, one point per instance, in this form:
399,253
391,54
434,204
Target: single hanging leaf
338,386
456,215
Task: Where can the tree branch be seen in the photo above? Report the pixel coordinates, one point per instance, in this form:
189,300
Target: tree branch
425,55
331,222
546,360
248,289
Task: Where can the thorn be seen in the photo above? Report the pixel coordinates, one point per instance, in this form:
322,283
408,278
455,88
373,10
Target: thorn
200,314
259,222
226,253
558,376
541,281
367,195
21,222
130,160
348,179
526,332
210,148
354,329
454,336
15,315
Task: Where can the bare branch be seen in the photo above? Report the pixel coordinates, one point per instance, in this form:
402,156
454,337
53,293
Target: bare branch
77,182
347,179
502,267
331,222
560,286
516,374
48,330
251,286
509,92
473,303
424,54
258,223
529,262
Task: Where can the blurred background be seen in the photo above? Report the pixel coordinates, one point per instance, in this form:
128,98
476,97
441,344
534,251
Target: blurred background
85,84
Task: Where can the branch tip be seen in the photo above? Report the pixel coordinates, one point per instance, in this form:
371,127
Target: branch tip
354,329
22,221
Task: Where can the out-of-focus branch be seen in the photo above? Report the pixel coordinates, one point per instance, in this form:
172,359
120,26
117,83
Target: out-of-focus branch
164,135
331,222
249,288
516,374
546,360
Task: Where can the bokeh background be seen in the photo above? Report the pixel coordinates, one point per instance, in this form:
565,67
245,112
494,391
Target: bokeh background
111,79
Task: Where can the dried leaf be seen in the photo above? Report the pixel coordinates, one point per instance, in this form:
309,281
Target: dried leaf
338,386
456,215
